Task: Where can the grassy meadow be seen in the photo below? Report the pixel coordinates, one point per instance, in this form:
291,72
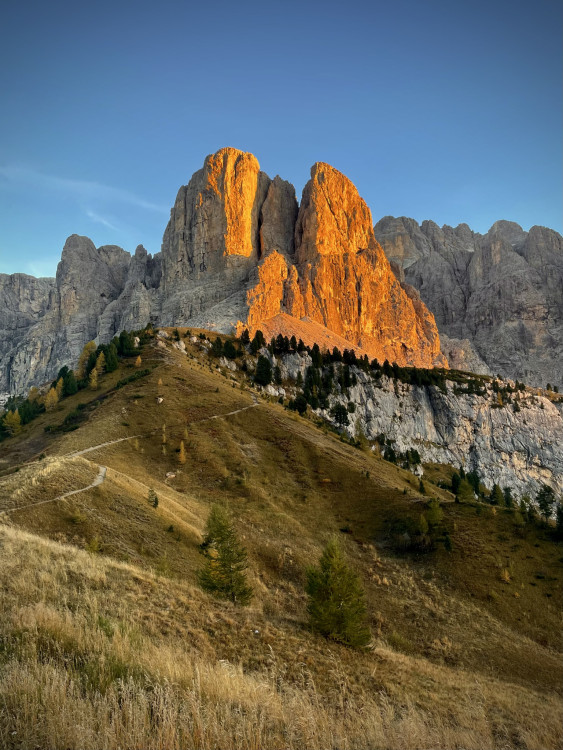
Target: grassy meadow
107,641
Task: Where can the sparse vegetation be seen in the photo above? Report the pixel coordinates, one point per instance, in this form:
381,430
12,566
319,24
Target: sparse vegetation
112,625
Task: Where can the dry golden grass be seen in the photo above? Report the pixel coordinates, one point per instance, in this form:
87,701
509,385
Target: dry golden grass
81,669
45,481
121,649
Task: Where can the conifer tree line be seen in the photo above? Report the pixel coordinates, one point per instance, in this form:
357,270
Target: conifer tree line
329,367
94,361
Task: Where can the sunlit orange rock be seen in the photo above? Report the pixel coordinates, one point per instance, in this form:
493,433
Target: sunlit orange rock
342,280
237,248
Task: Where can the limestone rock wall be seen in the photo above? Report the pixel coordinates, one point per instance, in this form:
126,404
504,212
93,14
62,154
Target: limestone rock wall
518,449
501,293
238,250
97,292
342,280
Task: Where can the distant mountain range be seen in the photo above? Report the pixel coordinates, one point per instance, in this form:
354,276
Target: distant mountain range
239,251
497,298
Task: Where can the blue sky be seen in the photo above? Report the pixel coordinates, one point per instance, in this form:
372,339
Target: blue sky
444,110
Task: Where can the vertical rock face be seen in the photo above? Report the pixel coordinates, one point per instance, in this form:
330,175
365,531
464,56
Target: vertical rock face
24,300
46,322
501,292
214,217
237,249
277,219
211,243
342,279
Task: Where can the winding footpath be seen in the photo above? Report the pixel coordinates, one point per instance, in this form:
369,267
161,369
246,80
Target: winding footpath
98,480
103,469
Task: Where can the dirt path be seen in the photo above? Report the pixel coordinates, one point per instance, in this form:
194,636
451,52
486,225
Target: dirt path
97,481
230,413
103,469
74,454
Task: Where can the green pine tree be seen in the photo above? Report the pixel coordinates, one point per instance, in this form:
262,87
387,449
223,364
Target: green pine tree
70,386
257,342
263,374
111,358
223,574
546,501
497,497
508,498
217,347
229,350
337,602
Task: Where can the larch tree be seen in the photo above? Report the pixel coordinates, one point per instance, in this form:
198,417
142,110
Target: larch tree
51,400
33,394
12,422
101,363
89,348
93,379
224,572
337,602
182,453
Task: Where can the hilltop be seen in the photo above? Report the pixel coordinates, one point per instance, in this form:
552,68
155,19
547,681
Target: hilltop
102,613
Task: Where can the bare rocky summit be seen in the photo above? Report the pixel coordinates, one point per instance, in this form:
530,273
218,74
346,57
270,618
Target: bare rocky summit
497,298
339,278
237,251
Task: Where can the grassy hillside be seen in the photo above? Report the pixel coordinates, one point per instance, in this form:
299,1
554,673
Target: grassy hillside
107,641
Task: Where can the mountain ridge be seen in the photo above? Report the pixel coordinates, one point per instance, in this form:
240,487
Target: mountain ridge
237,249
501,292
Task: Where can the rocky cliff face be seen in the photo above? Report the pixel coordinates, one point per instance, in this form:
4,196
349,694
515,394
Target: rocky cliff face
46,323
520,449
498,297
516,445
24,301
237,250
339,278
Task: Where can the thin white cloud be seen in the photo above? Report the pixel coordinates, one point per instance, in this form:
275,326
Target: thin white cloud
42,267
82,189
101,220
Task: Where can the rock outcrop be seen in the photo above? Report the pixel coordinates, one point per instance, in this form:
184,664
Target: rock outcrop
24,301
92,297
516,445
519,449
498,297
342,280
237,250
